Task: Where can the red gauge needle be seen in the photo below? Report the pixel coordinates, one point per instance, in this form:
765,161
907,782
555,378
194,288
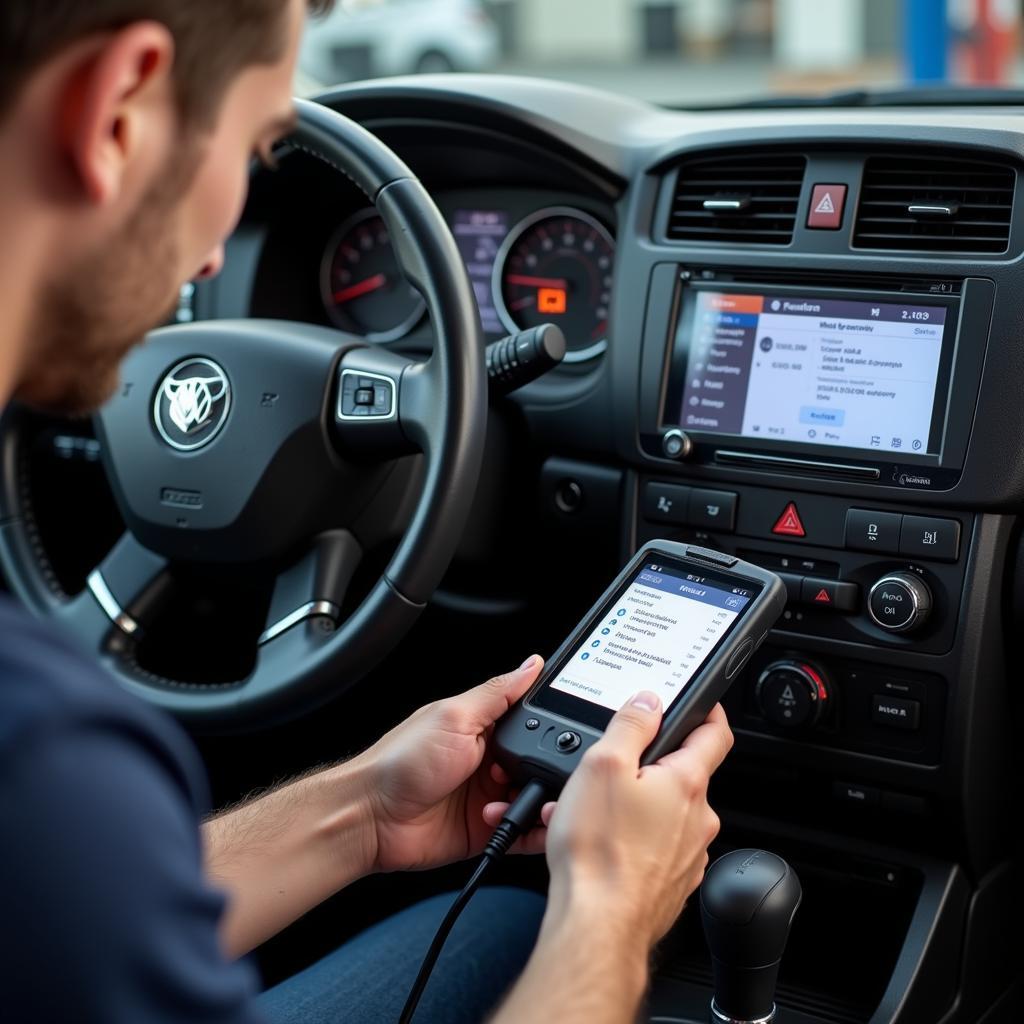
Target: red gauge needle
353,291
536,282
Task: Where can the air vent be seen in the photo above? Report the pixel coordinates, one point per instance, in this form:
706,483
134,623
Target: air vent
935,204
742,197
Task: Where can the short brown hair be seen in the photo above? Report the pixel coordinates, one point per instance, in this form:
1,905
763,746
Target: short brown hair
214,39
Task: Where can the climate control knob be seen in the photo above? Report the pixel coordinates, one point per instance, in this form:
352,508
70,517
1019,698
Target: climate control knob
791,694
900,602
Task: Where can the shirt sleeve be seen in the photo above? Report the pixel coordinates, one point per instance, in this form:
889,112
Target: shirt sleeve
106,916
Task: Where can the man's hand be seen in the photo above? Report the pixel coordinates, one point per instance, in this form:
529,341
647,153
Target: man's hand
626,847
429,779
633,838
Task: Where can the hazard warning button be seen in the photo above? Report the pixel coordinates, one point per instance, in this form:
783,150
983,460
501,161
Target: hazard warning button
827,202
835,595
789,523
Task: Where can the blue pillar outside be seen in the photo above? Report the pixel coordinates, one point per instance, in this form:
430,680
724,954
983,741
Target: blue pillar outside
926,40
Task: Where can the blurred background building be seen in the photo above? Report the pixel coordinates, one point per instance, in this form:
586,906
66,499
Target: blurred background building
678,52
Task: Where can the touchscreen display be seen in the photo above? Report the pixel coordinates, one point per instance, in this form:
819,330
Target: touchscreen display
654,635
829,371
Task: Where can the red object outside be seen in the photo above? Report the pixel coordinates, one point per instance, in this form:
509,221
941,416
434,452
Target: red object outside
988,49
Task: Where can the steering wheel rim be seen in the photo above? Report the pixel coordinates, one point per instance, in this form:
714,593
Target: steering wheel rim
440,409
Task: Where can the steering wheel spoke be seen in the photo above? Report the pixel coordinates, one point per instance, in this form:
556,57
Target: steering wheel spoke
384,404
311,593
120,593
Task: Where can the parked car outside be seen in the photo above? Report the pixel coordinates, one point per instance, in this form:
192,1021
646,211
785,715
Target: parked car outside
377,38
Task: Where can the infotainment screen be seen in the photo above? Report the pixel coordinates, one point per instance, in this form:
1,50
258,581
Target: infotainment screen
848,372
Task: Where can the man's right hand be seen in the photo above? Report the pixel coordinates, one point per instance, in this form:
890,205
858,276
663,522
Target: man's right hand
633,841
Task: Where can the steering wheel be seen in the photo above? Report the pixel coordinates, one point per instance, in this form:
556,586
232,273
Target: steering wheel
257,441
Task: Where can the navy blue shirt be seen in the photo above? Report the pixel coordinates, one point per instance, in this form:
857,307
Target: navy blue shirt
104,912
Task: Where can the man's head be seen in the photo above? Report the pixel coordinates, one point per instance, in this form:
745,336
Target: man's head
126,131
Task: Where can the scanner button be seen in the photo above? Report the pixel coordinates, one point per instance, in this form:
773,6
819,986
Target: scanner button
739,657
567,742
533,723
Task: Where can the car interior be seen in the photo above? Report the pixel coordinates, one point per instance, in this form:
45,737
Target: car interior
394,512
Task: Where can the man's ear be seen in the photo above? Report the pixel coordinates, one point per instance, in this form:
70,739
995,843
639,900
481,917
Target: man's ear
117,104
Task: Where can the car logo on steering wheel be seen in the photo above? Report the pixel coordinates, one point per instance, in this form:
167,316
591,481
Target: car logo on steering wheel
192,404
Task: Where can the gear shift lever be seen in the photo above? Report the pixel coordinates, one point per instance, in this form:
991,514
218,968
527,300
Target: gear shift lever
747,904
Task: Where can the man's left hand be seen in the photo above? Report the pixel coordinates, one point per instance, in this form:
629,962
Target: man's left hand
430,779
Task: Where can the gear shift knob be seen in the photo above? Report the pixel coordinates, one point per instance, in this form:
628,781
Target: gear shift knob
747,904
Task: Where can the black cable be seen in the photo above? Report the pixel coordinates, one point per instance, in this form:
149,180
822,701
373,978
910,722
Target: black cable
521,815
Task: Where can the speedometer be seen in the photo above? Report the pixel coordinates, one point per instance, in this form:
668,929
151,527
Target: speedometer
556,267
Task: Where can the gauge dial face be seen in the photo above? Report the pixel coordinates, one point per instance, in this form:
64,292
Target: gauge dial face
556,267
362,286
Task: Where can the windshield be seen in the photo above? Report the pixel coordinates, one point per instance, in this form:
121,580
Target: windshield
682,53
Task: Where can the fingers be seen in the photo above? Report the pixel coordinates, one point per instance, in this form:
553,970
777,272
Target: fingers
495,811
633,727
706,746
485,704
531,842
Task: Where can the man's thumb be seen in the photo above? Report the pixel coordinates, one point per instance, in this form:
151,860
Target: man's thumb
635,724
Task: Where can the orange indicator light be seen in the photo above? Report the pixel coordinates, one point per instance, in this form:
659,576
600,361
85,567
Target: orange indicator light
551,300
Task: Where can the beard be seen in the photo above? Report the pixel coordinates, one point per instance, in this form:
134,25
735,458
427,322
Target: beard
92,315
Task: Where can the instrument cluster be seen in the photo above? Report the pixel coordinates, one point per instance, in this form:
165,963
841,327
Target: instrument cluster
553,264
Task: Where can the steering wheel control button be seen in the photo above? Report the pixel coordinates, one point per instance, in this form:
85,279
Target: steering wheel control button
532,723
833,595
899,602
675,444
873,531
791,694
789,524
925,537
192,404
826,212
895,712
567,742
365,396
666,503
713,510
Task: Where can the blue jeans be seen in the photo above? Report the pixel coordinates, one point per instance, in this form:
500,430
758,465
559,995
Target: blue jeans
366,980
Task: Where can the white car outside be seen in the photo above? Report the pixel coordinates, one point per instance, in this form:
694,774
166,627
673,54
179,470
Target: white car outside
374,38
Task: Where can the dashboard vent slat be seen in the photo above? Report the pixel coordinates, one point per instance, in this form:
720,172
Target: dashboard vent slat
977,195
767,185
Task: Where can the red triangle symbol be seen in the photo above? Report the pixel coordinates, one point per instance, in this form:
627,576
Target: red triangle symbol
789,524
822,596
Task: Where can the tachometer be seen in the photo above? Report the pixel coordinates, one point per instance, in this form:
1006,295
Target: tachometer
556,266
362,286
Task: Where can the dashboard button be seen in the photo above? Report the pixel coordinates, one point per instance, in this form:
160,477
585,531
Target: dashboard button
666,503
895,712
713,509
925,537
837,595
827,202
900,602
789,524
793,585
852,793
873,531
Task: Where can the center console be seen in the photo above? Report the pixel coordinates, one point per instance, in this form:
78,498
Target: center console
820,425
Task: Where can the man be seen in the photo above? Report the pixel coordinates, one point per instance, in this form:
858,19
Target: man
126,131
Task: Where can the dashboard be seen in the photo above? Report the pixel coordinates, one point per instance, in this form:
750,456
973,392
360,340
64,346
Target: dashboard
794,335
